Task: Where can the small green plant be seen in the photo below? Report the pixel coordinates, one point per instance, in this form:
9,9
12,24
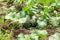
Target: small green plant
56,36
40,33
55,21
35,35
5,36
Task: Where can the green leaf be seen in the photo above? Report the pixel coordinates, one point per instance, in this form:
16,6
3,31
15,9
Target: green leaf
54,21
56,36
41,23
40,33
2,20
